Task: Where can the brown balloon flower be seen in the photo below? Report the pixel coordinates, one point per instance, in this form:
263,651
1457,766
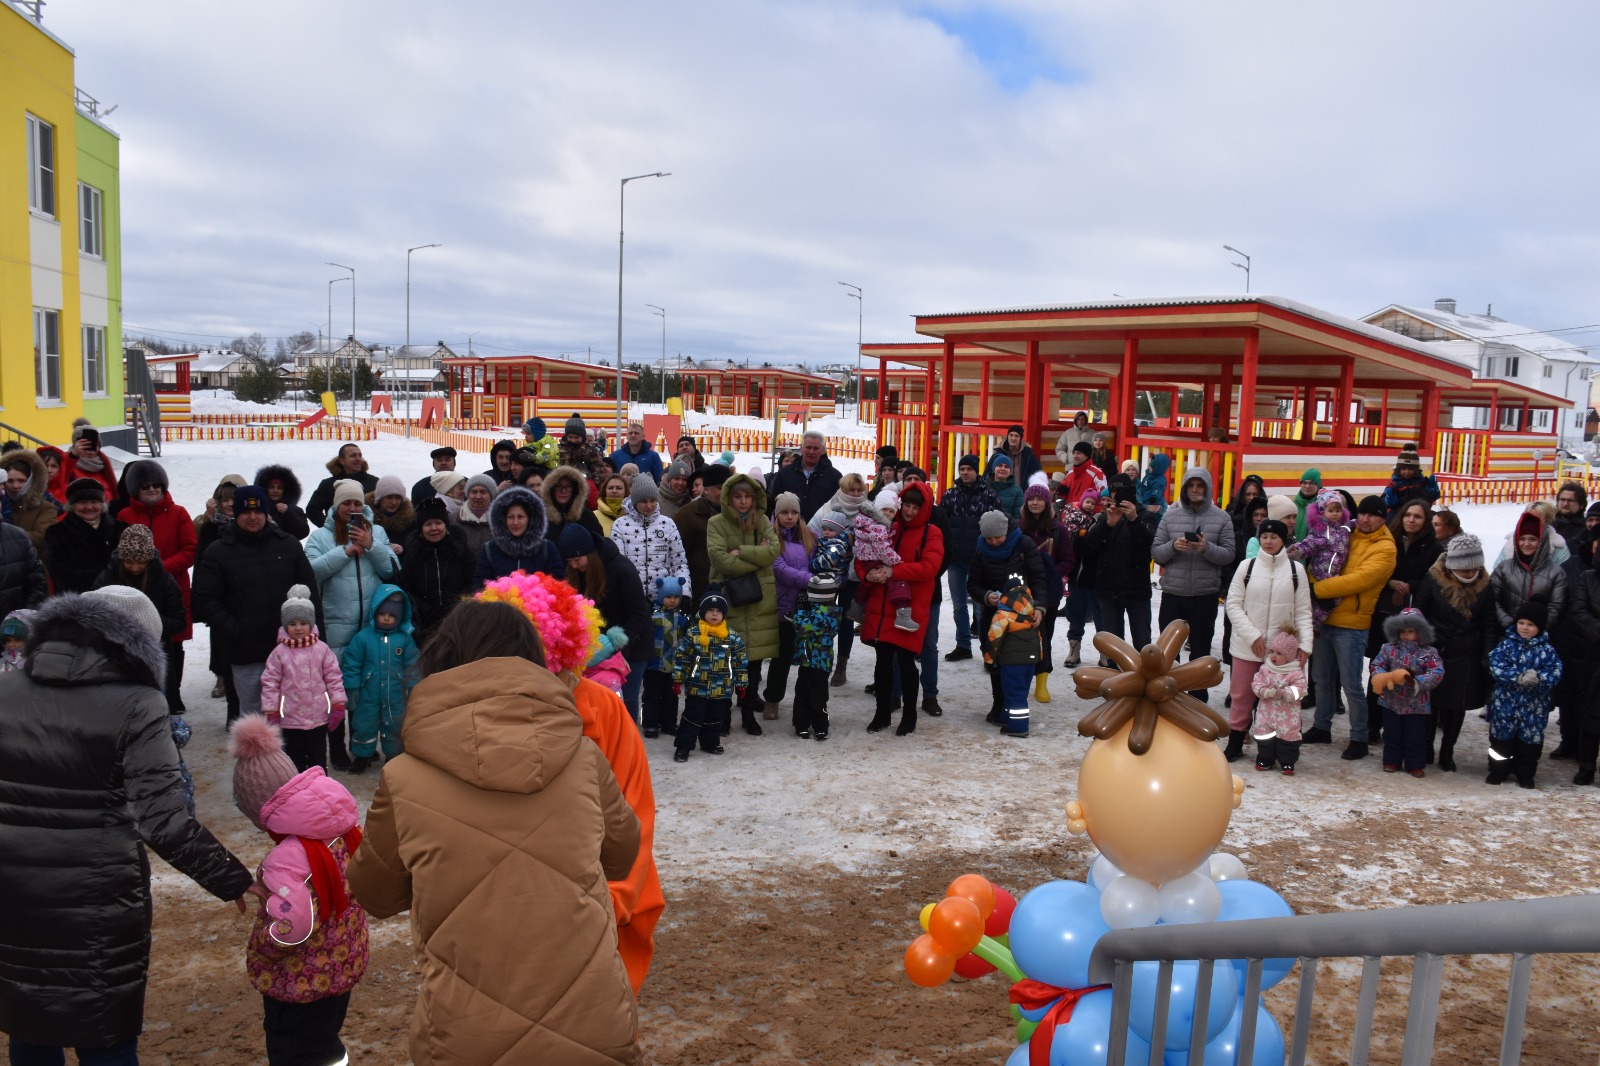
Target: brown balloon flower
1148,687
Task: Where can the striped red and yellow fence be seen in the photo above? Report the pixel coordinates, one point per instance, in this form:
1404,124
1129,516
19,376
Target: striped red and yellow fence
1456,488
317,431
212,419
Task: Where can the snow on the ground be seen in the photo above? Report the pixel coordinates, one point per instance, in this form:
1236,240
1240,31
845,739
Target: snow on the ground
861,800
223,402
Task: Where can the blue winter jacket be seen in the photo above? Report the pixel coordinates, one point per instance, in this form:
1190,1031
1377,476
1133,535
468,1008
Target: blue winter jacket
648,461
347,581
378,665
1510,658
1152,488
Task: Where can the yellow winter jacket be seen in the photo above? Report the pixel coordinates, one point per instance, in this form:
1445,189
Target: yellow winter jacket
1366,574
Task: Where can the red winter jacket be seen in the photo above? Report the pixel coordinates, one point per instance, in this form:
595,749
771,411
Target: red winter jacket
175,539
921,549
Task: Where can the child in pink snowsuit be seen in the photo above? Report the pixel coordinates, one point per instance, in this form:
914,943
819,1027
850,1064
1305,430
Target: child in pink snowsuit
308,947
302,688
873,544
1326,548
1279,685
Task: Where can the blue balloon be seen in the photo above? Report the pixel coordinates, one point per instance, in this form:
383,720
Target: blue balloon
1246,900
1224,1002
1054,930
1085,1040
1018,1057
1270,1049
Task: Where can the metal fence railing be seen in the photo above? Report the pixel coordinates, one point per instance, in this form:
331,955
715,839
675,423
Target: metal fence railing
1518,928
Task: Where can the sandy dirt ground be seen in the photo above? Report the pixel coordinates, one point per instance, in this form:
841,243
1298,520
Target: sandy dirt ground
794,872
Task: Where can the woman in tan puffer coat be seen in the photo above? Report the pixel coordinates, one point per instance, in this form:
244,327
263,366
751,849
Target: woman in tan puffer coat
498,829
742,541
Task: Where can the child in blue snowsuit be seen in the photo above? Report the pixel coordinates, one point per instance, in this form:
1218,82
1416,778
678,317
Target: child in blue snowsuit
378,666
710,666
1525,669
816,625
659,705
1151,492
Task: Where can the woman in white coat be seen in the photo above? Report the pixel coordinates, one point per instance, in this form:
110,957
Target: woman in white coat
1269,593
649,539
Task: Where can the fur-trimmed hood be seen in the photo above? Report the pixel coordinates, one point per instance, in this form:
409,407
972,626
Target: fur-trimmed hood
532,541
38,475
1456,594
85,640
744,481
291,484
336,468
397,525
580,493
1410,618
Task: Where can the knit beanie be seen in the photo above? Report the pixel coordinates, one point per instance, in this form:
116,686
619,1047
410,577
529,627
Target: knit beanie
1408,456
130,601
1529,525
1464,552
888,451
433,510
483,481
85,488
713,600
1131,468
254,498
643,488
575,424
1281,507
1594,510
82,430
534,429
1285,643
994,524
1038,488
444,482
297,606
726,459
754,473
969,460
1313,475
575,541
388,485
137,545
786,501
837,519
679,468
713,475
394,603
347,489
999,461
1273,525
1014,429
888,501
1372,505
260,765
1531,611
16,624
226,486
669,585
1083,447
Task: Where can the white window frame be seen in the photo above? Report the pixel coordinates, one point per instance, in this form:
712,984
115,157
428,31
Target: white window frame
42,154
1540,420
91,228
1549,371
94,360
1513,365
46,362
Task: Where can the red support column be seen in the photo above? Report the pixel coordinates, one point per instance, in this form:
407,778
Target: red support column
1126,385
1208,407
1225,403
925,445
883,397
947,394
1428,424
1247,387
1341,404
1032,398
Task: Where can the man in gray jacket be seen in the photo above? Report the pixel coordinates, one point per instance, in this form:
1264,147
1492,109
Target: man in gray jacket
1194,543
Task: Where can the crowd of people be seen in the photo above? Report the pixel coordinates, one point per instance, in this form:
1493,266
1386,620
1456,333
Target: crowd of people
345,633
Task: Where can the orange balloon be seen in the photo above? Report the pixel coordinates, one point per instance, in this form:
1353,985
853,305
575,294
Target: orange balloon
955,925
1156,816
977,888
927,964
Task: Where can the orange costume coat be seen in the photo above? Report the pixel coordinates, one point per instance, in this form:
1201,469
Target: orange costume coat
637,899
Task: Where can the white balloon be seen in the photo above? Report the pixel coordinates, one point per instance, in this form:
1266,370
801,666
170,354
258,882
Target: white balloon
1224,867
1129,903
1102,873
1190,899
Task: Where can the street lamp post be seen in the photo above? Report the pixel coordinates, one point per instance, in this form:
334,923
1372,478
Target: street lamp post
418,248
860,305
333,363
352,270
622,203
1244,266
662,311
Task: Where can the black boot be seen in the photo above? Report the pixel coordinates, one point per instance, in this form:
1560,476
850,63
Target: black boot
1565,750
1235,749
1288,755
1266,752
1502,753
1449,730
1588,755
1527,761
747,718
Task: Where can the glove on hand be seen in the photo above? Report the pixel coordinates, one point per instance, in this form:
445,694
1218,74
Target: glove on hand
1528,679
1269,693
677,688
1389,679
618,638
336,718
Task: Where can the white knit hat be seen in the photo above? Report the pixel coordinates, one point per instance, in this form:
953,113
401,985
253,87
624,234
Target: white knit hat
132,602
347,489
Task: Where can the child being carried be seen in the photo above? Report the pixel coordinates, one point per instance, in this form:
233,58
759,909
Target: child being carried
875,544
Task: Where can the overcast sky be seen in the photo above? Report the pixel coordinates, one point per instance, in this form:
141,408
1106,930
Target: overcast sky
943,156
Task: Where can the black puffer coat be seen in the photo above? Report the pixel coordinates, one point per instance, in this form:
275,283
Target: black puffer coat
1463,638
158,587
813,491
1122,557
88,773
75,552
436,576
292,519
625,603
22,581
321,501
240,584
1515,582
963,505
1581,639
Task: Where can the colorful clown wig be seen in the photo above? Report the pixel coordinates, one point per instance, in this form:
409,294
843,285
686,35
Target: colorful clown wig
568,624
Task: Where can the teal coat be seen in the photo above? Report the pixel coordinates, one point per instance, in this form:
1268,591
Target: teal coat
378,667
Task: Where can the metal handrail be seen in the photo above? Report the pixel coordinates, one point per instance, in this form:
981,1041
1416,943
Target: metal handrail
1519,928
8,427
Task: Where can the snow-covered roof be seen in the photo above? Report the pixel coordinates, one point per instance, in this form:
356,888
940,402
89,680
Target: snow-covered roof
216,359
1487,329
422,351
409,373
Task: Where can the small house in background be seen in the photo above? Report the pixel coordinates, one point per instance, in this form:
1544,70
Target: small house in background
325,354
172,376
728,388
506,390
215,368
415,369
1494,348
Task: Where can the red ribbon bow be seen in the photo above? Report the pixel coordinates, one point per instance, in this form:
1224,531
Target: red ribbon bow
1031,995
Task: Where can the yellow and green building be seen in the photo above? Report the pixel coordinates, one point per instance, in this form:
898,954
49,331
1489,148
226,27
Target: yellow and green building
60,241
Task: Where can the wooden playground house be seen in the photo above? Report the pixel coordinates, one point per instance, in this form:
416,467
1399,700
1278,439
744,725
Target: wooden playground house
1283,387
760,391
507,390
172,377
